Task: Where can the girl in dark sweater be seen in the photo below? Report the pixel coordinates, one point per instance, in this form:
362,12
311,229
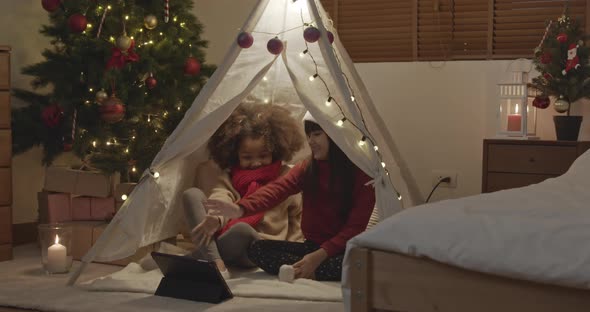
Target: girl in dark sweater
337,205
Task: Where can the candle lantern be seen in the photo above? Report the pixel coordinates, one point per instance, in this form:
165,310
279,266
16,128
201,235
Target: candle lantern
56,247
516,114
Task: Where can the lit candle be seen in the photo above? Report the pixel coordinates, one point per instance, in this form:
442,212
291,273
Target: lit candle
57,257
514,120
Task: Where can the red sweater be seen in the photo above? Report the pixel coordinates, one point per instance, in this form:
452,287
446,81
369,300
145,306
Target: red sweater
320,222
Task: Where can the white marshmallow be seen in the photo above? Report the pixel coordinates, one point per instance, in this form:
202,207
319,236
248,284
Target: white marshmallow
286,273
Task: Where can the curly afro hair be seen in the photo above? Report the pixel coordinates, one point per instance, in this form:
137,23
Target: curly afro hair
280,131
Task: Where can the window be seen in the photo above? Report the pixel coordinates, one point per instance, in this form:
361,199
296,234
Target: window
411,30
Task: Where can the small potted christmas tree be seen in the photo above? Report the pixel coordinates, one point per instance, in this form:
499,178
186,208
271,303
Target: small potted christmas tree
562,60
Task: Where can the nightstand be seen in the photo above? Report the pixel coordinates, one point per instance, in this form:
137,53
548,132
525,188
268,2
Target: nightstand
516,163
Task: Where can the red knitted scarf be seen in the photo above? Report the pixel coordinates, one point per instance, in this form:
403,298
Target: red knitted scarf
247,182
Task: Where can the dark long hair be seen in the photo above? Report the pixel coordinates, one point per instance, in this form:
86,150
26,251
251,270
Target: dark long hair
341,169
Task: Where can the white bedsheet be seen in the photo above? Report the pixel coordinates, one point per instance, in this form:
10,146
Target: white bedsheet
539,232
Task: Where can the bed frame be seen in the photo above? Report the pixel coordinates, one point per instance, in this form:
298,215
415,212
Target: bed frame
390,281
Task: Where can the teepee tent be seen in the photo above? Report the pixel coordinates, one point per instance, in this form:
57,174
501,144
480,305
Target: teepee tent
318,77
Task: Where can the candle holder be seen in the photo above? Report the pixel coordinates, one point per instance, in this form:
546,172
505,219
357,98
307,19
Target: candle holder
516,115
56,247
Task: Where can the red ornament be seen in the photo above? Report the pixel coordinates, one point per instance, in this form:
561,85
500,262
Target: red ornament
546,58
562,37
311,34
547,76
151,82
50,5
192,67
52,115
112,110
275,46
77,23
541,101
245,40
330,37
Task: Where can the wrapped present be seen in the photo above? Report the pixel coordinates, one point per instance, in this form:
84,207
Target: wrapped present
54,207
80,182
82,238
102,208
81,208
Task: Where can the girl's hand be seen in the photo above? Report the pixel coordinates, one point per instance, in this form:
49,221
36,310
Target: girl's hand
202,233
305,268
217,207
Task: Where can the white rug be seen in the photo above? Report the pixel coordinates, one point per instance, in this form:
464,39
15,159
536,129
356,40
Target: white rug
256,284
25,285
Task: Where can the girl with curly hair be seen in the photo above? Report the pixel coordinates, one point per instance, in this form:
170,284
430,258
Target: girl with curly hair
247,152
337,205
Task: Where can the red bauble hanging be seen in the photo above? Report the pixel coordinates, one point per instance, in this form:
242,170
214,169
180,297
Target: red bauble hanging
541,101
275,46
192,67
112,110
245,40
77,23
50,5
52,115
330,37
547,76
151,82
311,34
562,38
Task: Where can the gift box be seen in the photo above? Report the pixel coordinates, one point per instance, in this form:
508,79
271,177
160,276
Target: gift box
81,208
80,182
54,207
82,238
102,208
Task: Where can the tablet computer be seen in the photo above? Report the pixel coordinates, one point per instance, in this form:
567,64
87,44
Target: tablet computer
191,279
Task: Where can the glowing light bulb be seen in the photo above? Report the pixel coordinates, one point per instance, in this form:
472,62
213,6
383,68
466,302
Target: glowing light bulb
126,150
383,164
126,17
161,34
109,143
265,78
109,7
133,138
89,25
131,37
266,101
399,196
124,197
302,54
134,169
376,148
352,97
94,143
175,19
90,90
156,174
340,122
329,101
313,77
149,118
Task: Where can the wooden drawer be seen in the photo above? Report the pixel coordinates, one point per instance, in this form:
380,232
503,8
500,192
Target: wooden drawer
5,148
4,70
501,181
539,159
5,187
4,110
5,252
5,225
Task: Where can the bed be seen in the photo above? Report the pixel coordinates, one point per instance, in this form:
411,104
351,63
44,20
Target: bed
525,249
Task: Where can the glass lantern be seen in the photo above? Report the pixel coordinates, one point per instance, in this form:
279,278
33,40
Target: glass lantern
56,247
516,115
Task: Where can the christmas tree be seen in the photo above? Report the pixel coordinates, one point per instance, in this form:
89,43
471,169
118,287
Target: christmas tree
122,73
562,60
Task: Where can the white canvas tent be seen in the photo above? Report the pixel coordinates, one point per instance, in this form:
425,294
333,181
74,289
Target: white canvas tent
152,212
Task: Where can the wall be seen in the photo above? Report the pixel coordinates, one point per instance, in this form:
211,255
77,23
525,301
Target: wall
438,112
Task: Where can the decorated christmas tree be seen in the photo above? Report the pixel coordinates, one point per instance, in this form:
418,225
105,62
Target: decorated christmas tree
121,75
562,60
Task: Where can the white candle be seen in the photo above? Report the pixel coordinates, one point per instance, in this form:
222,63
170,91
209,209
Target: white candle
57,257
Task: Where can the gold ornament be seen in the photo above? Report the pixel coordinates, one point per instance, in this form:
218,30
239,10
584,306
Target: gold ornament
150,21
561,105
101,96
123,42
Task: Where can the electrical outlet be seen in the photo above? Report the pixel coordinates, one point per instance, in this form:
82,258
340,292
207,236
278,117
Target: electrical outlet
439,174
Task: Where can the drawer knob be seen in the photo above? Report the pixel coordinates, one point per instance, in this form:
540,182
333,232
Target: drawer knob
532,159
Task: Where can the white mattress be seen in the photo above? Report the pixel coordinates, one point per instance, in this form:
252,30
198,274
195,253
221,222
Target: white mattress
539,233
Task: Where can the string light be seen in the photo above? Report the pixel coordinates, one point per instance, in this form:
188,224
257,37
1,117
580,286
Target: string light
109,143
352,97
140,30
134,169
111,38
383,164
109,7
133,138
126,17
313,77
175,19
127,150
329,101
89,25
376,148
264,78
362,141
90,90
266,101
165,113
161,34
124,197
149,118
340,122
302,54
94,143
